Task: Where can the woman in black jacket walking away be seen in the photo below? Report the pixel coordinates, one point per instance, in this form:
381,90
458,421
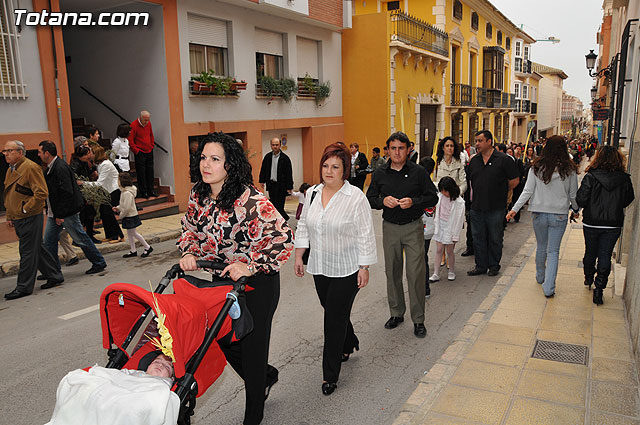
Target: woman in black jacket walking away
605,192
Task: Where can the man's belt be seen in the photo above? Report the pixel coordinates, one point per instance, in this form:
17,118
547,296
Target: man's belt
403,222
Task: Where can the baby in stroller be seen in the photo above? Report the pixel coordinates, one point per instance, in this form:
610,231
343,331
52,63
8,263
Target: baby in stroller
174,362
118,397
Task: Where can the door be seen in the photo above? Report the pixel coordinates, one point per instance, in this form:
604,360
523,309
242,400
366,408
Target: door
427,129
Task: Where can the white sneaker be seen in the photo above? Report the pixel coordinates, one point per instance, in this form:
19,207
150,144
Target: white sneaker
434,278
451,276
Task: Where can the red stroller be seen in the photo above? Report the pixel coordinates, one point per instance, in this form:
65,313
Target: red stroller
196,315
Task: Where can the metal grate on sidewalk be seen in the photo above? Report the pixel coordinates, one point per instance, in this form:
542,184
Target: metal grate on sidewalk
560,352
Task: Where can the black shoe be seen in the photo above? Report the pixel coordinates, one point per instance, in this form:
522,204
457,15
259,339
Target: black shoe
270,384
467,253
51,283
393,322
153,194
138,208
493,271
588,281
95,232
146,252
95,269
130,254
141,195
329,387
476,272
15,294
419,330
551,295
95,241
42,277
597,296
72,262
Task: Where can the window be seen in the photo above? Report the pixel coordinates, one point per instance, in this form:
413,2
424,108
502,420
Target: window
493,65
269,54
525,91
489,31
11,81
472,69
457,10
207,45
518,49
474,21
307,57
516,90
499,38
454,64
507,43
393,5
526,52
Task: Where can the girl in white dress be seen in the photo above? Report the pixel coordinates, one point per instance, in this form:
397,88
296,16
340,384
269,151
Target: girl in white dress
448,222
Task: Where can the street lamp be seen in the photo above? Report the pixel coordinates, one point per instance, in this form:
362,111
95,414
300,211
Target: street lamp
591,61
594,92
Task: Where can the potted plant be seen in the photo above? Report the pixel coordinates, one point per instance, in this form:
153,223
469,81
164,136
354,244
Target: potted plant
323,90
288,89
238,85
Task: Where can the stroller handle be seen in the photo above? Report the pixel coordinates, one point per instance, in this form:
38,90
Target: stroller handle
212,265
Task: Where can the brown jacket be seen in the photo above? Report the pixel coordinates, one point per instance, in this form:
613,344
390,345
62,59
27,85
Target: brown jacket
25,190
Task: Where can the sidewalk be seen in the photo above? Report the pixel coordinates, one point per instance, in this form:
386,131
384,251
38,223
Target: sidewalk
154,230
488,374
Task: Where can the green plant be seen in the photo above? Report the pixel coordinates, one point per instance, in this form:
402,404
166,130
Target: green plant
94,195
323,90
288,89
308,84
219,86
269,85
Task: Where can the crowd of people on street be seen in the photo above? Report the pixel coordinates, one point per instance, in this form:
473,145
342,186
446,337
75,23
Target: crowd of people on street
481,185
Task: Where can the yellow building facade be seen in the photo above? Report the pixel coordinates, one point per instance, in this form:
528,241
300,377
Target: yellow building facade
430,68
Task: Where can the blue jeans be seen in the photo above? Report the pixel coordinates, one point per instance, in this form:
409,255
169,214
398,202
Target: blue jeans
549,229
599,243
488,231
74,228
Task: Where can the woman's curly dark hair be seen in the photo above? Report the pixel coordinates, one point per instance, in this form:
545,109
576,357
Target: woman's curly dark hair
238,171
554,157
440,149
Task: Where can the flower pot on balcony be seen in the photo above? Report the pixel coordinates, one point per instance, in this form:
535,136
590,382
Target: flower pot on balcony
200,87
239,85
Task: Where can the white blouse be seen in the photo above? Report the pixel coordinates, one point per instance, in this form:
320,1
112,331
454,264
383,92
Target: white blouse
341,235
107,176
120,148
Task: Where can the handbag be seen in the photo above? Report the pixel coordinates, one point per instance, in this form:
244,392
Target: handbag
305,256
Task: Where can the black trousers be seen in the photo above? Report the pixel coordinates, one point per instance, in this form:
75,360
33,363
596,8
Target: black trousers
144,173
33,255
336,296
467,216
277,196
249,356
111,227
427,244
87,216
599,244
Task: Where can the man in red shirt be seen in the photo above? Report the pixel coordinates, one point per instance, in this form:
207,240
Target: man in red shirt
141,142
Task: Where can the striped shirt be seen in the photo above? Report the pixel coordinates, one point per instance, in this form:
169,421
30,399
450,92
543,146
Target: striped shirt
341,234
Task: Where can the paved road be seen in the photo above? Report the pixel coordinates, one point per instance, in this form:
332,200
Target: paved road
39,348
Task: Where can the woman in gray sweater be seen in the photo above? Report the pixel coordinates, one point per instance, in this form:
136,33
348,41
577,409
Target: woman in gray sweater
551,189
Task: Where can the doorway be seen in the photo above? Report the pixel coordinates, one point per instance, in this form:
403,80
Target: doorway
427,129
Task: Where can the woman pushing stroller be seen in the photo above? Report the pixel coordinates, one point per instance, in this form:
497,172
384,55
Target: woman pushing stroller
230,221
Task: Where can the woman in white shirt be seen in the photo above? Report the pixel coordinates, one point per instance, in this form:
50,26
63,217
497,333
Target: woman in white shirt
120,147
108,179
336,225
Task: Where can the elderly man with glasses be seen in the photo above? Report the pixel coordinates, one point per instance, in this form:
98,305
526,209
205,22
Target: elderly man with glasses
25,192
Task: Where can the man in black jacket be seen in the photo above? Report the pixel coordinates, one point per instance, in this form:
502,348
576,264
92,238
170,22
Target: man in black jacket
359,166
63,205
402,190
276,175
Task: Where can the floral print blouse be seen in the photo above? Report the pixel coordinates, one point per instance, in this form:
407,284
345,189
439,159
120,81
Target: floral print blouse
253,233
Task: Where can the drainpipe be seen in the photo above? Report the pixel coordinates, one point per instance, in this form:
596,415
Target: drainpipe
58,103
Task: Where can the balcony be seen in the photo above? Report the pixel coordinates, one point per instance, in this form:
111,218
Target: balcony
466,95
415,32
524,106
522,66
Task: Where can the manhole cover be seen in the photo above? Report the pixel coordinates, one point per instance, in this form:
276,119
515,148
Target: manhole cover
560,352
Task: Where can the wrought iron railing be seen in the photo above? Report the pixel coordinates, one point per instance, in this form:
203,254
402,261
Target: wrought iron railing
522,65
466,95
524,106
418,33
461,95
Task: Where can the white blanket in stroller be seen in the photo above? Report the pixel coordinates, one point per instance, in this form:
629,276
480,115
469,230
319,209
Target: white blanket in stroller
114,397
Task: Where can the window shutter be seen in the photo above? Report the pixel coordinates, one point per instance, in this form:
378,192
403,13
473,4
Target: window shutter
268,42
207,31
307,57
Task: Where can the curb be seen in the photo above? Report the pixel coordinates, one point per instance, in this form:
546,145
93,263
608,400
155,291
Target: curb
10,268
416,408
